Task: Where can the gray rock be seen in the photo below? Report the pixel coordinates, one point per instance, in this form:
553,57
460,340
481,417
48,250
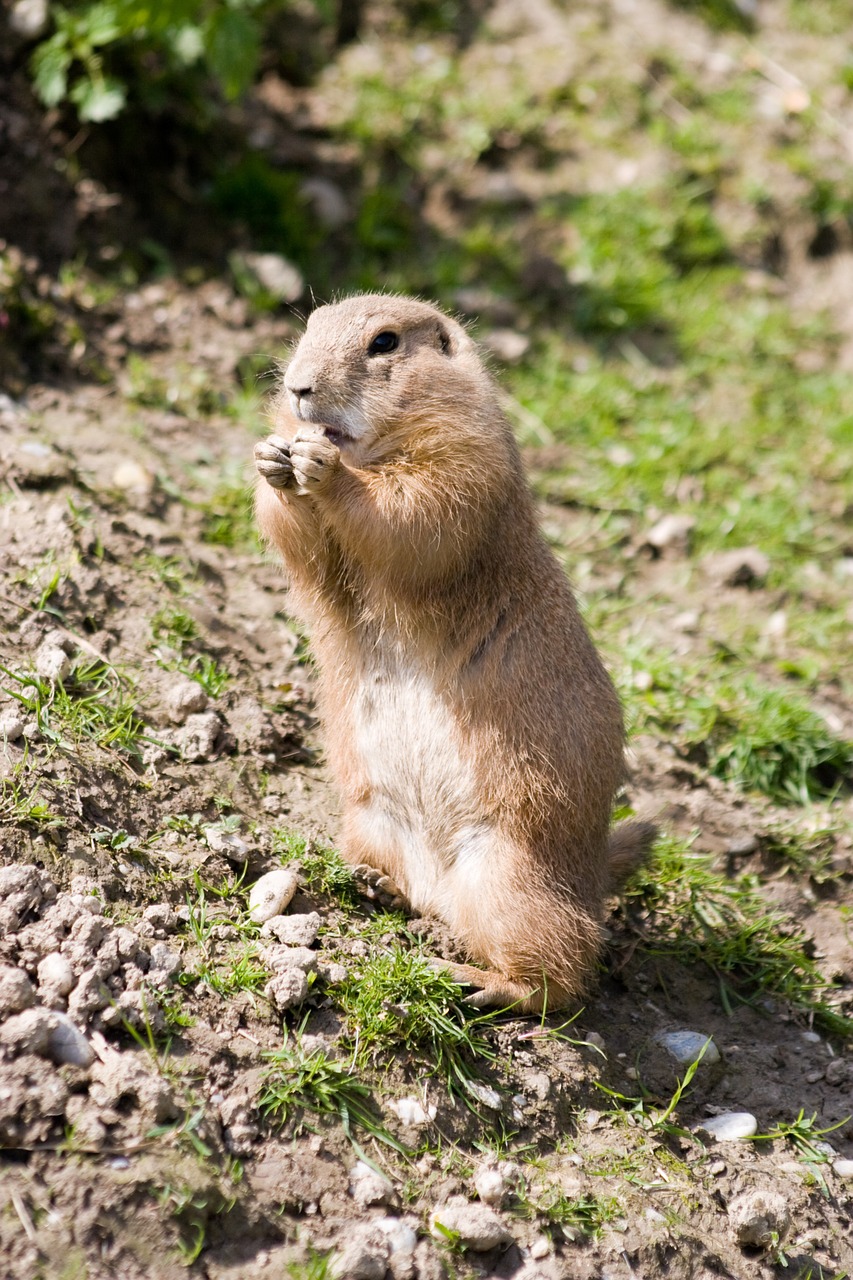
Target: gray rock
731,1126
843,1168
476,1226
165,964
364,1257
686,1046
12,725
67,1044
16,991
293,931
227,842
759,1219
287,989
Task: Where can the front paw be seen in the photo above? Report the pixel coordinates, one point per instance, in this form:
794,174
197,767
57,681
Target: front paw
315,460
272,460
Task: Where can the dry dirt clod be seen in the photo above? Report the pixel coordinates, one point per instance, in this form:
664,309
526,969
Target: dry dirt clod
67,1044
412,1112
16,991
185,698
365,1256
198,738
744,567
477,1226
759,1218
670,535
28,1031
287,989
51,663
293,931
367,1187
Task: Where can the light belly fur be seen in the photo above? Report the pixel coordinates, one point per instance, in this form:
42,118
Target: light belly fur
421,797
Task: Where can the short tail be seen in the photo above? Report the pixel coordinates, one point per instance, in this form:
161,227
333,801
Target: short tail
627,847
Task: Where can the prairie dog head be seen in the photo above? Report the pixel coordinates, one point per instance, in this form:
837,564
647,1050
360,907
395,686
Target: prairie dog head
372,367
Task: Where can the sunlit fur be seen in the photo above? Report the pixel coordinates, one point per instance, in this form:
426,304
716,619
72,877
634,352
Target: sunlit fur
473,733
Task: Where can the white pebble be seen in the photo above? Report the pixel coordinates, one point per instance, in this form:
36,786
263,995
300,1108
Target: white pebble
843,1168
490,1185
485,1094
55,972
686,1046
731,1126
400,1234
411,1112
271,894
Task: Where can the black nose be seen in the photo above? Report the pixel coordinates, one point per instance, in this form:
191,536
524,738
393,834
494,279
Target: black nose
301,391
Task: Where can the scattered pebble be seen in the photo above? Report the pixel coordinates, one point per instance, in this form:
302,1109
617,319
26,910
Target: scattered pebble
744,567
67,1044
759,1218
671,534
731,1126
843,1168
485,1094
271,894
132,477
51,663
596,1041
229,843
412,1113
686,1046
12,725
476,1225
495,1182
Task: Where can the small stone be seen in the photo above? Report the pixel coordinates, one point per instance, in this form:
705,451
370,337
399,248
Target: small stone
507,345
229,843
51,663
671,534
28,1032
731,1126
686,1046
367,1187
287,989
28,18
132,477
271,894
276,275
12,725
67,1044
294,931
328,201
185,698
541,1248
411,1112
843,1168
55,974
759,1219
838,1071
485,1094
595,1040
745,567
741,845
16,991
538,1083
476,1226
198,739
490,1185
401,1233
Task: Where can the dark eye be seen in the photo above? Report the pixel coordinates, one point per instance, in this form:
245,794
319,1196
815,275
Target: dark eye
383,343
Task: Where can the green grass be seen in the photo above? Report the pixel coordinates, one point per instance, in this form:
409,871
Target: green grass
587,1214
299,1083
94,703
23,805
397,1001
323,867
225,966
686,911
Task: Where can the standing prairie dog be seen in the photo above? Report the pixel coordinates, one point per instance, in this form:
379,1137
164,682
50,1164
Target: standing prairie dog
473,732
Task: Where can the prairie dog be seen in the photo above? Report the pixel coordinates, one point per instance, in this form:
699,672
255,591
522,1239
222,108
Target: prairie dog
472,730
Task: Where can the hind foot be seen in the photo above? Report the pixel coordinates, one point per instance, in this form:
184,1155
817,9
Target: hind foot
380,888
498,991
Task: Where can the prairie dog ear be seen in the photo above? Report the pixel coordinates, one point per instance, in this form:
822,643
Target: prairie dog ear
445,339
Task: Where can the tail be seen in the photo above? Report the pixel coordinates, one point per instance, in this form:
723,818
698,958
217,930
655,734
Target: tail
628,845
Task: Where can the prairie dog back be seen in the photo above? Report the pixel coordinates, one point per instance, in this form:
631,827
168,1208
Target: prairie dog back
471,728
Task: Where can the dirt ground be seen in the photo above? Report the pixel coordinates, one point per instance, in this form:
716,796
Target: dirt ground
137,812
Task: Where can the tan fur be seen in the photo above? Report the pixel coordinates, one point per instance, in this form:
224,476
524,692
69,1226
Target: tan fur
473,732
